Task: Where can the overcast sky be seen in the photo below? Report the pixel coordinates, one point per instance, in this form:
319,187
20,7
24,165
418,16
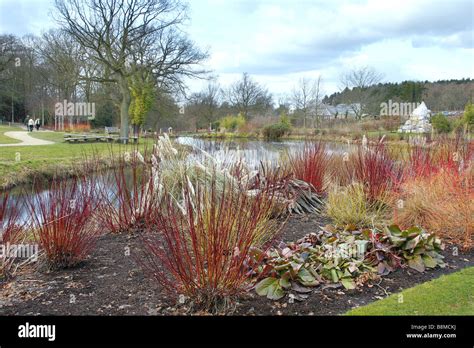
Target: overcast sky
279,41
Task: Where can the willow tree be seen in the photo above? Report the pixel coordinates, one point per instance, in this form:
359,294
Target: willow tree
125,36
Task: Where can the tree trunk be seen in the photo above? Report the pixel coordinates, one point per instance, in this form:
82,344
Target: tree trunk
124,106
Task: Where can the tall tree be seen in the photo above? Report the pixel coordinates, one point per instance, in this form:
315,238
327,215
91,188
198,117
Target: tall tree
358,82
306,99
246,95
125,36
204,105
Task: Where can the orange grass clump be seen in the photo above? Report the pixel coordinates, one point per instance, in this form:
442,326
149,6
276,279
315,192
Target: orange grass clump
442,203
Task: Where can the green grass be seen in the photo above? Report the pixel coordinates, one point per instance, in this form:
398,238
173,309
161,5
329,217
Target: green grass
7,140
57,137
44,160
447,295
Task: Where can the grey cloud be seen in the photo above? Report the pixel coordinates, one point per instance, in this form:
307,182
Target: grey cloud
435,25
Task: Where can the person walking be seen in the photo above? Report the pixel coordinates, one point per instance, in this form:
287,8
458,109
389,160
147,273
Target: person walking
31,124
37,124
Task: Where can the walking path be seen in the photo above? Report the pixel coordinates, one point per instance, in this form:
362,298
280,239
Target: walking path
25,139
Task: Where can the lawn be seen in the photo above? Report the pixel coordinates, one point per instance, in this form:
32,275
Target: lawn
447,295
57,137
46,159
7,140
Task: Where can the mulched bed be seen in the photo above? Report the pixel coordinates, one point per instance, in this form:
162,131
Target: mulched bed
111,283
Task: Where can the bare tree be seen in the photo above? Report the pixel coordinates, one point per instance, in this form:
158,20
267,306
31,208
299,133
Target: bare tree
246,95
205,104
8,44
306,98
61,56
358,81
125,36
318,100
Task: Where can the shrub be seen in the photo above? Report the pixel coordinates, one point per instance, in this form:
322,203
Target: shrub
350,206
441,123
443,155
276,131
442,203
11,232
62,221
285,120
349,257
420,163
128,195
232,123
202,247
310,165
468,117
338,170
416,205
420,249
78,127
374,168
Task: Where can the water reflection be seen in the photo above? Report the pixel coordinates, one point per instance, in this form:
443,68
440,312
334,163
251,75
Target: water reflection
252,151
225,151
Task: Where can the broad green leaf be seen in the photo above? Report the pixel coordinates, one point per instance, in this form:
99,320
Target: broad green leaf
285,282
271,288
395,230
305,275
429,261
275,292
348,283
282,266
263,286
414,230
397,241
412,243
417,263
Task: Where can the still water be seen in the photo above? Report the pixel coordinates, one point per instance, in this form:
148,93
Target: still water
252,152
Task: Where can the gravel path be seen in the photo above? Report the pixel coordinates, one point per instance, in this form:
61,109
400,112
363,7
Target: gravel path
25,139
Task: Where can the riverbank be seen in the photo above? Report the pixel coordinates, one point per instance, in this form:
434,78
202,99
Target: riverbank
392,138
21,165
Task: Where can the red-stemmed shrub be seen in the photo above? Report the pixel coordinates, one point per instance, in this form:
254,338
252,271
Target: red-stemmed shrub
62,220
128,194
311,164
201,248
451,155
420,163
11,232
373,167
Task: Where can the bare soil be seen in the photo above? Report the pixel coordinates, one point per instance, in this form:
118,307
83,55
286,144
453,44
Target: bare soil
111,282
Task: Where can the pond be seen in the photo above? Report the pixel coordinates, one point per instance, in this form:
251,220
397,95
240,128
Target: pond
253,152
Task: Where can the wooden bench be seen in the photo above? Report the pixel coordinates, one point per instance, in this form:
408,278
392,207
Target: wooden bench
89,138
84,138
74,140
75,135
112,130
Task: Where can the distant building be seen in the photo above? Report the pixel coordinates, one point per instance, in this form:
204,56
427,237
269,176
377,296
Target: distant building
339,111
